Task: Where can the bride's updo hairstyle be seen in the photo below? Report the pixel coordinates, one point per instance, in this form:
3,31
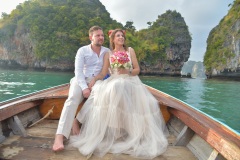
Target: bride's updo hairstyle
111,34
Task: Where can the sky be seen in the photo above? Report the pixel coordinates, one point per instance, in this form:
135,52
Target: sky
201,16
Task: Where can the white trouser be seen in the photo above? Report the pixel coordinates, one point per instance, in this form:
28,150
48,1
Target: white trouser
75,97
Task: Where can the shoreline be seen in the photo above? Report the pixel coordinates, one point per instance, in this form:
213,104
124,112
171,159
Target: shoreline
144,73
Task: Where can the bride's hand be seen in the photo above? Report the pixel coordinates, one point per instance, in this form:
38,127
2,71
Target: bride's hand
123,71
92,82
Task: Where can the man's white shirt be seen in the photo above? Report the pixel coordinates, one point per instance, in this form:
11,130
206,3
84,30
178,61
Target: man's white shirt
88,64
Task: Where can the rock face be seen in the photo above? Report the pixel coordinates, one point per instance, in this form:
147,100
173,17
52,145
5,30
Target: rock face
177,43
222,58
19,54
193,69
29,46
35,36
198,71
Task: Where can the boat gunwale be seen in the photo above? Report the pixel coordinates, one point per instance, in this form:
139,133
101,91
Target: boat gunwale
173,103
44,94
20,104
191,108
14,100
210,126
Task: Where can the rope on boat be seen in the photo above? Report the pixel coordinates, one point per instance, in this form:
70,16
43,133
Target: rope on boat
50,111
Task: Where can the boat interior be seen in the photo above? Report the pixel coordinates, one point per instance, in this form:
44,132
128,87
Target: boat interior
28,126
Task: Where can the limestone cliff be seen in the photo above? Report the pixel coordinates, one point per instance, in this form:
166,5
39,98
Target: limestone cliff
36,36
17,52
173,44
193,69
45,35
222,58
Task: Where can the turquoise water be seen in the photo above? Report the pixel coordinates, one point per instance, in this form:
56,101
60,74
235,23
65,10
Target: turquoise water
18,83
219,99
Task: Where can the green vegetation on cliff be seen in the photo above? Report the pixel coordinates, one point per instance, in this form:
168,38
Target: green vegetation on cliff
57,27
220,43
52,31
167,31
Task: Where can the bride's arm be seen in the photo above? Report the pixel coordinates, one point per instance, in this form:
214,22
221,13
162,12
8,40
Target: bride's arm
136,69
103,72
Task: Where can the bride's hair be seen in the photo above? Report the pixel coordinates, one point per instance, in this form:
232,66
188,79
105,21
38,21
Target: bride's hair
112,35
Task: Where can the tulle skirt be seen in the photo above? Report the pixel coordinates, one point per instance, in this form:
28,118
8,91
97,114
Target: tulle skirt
121,116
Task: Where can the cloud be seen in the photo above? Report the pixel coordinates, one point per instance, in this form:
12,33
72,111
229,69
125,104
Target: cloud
8,5
200,16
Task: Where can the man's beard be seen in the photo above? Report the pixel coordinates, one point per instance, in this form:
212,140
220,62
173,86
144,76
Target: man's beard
99,44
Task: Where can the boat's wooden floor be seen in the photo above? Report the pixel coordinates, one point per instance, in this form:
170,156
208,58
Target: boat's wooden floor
37,146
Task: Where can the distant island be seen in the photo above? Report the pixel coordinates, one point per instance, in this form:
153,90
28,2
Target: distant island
45,35
192,69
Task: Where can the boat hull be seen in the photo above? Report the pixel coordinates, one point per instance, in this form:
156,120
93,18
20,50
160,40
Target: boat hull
198,135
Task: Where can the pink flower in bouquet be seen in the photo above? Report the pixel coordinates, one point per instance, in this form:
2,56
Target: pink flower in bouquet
120,60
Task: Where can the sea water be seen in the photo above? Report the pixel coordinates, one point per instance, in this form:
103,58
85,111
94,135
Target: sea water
217,98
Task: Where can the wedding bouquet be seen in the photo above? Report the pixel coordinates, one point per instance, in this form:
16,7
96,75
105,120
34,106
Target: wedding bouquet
120,60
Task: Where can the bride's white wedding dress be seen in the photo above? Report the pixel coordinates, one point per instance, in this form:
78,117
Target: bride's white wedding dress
121,116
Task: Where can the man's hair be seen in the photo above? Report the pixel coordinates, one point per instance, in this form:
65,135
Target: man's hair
92,29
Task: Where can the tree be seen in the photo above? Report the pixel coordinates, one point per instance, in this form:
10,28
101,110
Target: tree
129,26
4,15
150,24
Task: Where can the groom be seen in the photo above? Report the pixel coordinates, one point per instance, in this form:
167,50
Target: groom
88,63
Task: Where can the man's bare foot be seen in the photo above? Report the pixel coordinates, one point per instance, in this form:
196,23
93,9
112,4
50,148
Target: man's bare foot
75,127
58,143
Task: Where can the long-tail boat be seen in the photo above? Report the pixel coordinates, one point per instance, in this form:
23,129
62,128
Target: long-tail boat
28,126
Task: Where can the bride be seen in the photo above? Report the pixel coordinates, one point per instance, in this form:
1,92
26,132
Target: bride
121,115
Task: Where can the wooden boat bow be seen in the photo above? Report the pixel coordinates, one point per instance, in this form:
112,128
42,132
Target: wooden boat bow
189,125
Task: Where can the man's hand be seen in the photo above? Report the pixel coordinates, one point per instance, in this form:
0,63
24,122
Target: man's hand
86,93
